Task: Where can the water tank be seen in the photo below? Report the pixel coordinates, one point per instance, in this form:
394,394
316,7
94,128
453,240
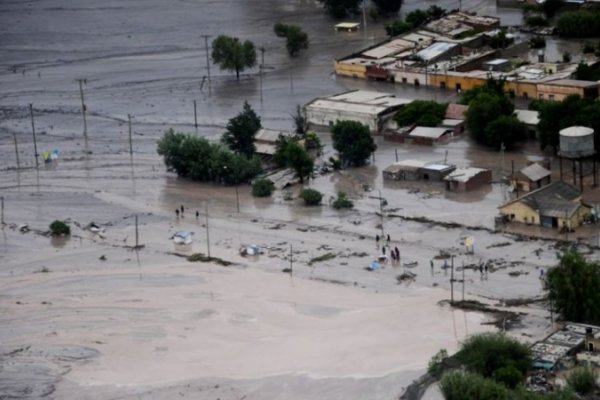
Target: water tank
576,141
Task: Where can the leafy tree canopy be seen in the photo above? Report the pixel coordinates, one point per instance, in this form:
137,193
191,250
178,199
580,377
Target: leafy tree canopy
341,8
232,55
397,27
353,141
579,24
573,288
241,130
388,7
296,38
417,18
198,159
421,113
505,130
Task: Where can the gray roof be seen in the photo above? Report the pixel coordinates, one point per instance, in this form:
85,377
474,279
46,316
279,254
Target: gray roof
535,172
464,174
557,199
428,132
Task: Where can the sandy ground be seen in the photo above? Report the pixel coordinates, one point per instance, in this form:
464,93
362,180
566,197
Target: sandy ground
89,318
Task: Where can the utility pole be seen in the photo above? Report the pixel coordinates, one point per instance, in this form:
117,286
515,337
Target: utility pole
396,150
260,71
37,164
2,212
83,107
364,12
291,79
463,281
452,281
207,234
195,116
17,151
237,198
130,141
207,63
137,242
381,212
291,260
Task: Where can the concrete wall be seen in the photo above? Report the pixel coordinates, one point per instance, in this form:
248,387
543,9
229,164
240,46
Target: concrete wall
410,77
558,93
519,212
351,70
329,117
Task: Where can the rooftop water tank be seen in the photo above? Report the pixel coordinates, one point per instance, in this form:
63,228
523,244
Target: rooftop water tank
576,142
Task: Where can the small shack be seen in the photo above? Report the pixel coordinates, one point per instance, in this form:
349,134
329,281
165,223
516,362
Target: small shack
428,136
266,140
347,26
555,205
405,170
532,177
467,179
457,125
436,172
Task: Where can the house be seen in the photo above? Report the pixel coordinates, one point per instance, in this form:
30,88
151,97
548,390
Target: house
374,109
466,179
405,170
531,177
412,170
531,119
548,353
555,205
457,125
266,140
559,89
428,136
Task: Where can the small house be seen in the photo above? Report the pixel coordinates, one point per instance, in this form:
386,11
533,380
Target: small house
266,141
347,26
456,111
467,179
405,170
555,205
531,177
457,125
436,172
428,136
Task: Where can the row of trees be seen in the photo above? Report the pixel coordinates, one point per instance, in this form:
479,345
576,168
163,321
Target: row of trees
413,20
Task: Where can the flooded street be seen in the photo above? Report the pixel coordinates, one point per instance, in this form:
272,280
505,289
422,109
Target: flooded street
89,317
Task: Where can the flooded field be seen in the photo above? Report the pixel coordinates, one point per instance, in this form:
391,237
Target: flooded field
89,317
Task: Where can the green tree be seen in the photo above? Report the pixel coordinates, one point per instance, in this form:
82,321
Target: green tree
555,115
353,141
536,20
507,130
421,113
296,38
312,141
59,228
299,160
388,7
300,122
550,7
262,187
578,24
469,386
342,201
232,55
397,27
241,131
311,197
417,18
500,40
573,288
487,353
492,86
341,8
582,380
436,12
484,109
280,156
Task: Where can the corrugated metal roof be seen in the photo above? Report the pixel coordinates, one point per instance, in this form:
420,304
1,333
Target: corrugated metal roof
390,48
464,174
558,199
435,50
405,165
427,132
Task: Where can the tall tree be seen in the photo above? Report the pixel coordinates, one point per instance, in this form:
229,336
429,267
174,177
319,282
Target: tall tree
241,130
422,113
232,55
573,288
299,160
296,38
388,7
353,142
341,8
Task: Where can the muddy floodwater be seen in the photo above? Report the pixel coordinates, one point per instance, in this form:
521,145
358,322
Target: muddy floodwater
119,312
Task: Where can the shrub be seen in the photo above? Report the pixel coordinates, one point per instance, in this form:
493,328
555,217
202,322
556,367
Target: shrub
537,42
508,376
336,163
262,187
59,228
536,20
312,141
342,201
435,367
582,380
311,197
462,386
588,48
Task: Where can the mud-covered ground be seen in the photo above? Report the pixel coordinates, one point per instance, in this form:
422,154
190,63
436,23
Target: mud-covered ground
90,318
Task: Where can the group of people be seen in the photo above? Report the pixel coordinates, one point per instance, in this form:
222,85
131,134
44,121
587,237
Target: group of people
179,212
394,252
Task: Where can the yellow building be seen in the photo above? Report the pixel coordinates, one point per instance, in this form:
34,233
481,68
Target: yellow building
555,205
561,88
353,67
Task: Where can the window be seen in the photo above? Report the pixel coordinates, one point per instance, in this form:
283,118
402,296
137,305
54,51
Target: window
443,85
404,80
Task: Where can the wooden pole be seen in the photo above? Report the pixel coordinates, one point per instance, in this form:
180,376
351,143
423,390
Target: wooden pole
17,150
37,164
137,242
83,107
2,212
237,197
130,140
207,64
396,150
195,116
291,260
452,281
207,232
463,281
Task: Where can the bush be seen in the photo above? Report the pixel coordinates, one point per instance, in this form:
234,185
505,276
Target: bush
582,380
312,141
262,187
311,197
467,386
342,201
536,20
435,367
397,27
59,228
336,163
537,42
508,376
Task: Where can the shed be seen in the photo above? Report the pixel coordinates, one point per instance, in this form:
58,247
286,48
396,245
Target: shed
436,172
555,205
532,177
457,125
347,26
266,140
466,179
405,170
428,136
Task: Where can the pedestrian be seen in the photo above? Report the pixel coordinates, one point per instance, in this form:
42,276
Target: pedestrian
383,250
397,253
197,214
177,212
388,239
182,209
377,238
481,269
431,264
486,268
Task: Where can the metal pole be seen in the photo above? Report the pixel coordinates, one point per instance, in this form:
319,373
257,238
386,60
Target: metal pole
2,213
83,107
37,164
452,281
381,212
207,63
136,232
195,116
207,233
364,11
260,70
291,259
463,281
237,197
130,140
291,80
396,150
17,150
